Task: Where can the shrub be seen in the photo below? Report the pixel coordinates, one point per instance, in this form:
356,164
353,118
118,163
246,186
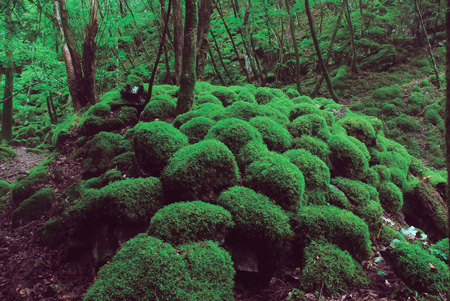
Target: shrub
314,170
387,93
33,208
360,128
330,269
147,267
246,96
197,128
181,223
418,269
251,152
206,98
440,250
154,143
314,145
264,95
278,179
302,109
101,150
391,197
200,172
276,137
160,107
226,95
337,226
24,188
235,133
311,125
257,217
347,160
5,187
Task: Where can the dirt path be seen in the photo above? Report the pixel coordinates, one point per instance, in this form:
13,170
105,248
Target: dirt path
21,164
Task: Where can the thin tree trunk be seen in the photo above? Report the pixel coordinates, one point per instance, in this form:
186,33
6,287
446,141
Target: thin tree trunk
215,66
220,57
361,13
89,49
319,55
177,38
352,36
204,26
7,119
447,115
188,75
436,73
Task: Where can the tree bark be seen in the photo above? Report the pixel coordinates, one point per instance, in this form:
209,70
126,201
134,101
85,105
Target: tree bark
177,38
89,49
7,119
352,36
319,55
215,66
188,74
204,26
221,59
447,115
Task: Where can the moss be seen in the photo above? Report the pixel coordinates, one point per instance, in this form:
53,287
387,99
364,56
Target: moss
337,226
314,170
415,103
33,208
388,234
278,179
101,109
371,213
291,93
226,95
264,95
337,198
257,217
355,191
206,98
314,145
160,107
418,269
347,160
235,133
360,128
244,110
311,125
24,188
103,180
246,96
387,93
200,172
147,267
101,150
371,177
209,110
88,126
127,116
331,270
154,143
383,171
302,99
416,167
404,123
251,152
197,128
391,197
302,109
432,117
5,187
283,105
440,249
186,222
381,61
276,137
7,153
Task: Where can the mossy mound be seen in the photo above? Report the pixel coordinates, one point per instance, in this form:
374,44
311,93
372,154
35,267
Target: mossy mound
251,152
387,93
331,270
360,128
200,172
206,98
441,250
302,109
346,158
337,198
257,217
264,95
391,197
246,96
291,93
337,226
276,137
7,153
159,107
234,133
24,188
33,208
311,125
278,179
226,95
186,222
197,128
314,145
101,150
5,187
209,110
418,269
388,234
383,172
147,267
103,180
154,143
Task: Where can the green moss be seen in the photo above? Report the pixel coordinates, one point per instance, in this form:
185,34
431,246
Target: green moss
278,179
276,137
100,109
33,208
336,197
155,143
311,125
103,180
101,150
337,226
383,172
388,234
160,107
251,152
24,188
7,153
355,191
360,128
264,95
209,110
391,197
314,170
314,145
5,187
302,99
387,93
441,250
432,117
331,270
206,98
147,267
416,167
291,93
371,213
302,109
371,177
200,172
257,217
186,222
197,128
347,160
235,133
383,60
246,96
127,116
226,95
418,269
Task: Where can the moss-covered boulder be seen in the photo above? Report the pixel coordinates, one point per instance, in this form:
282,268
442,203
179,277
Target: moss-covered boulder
327,268
186,222
209,110
279,179
5,187
441,250
206,98
101,150
24,188
226,95
155,143
251,152
147,267
311,125
276,137
302,109
347,159
264,95
103,180
391,197
200,172
197,128
314,145
160,107
360,128
33,208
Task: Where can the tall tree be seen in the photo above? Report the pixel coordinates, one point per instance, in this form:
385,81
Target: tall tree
204,26
352,35
177,37
9,83
447,115
188,74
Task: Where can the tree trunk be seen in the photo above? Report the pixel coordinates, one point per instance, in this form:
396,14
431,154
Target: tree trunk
215,66
361,13
89,49
7,119
352,36
319,55
204,26
188,75
221,59
447,119
177,38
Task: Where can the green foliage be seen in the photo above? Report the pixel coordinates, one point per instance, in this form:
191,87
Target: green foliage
103,180
246,96
200,172
264,95
360,128
147,267
432,117
257,217
33,208
383,172
24,188
355,191
311,125
302,109
418,269
160,107
226,95
331,270
337,198
185,222
388,234
391,197
155,143
276,137
7,153
440,250
101,150
387,93
404,123
100,109
415,104
197,128
347,160
278,179
380,61
337,226
302,99
291,93
5,187
234,133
